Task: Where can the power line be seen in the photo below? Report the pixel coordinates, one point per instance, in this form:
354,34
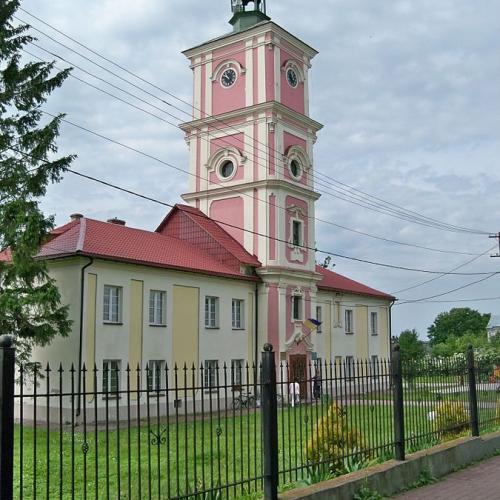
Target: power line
305,247
444,274
449,291
358,200
419,219
362,233
484,299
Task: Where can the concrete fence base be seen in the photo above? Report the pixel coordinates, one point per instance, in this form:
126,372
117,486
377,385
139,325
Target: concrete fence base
391,477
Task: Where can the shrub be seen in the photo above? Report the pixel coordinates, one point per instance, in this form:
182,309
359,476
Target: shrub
451,419
332,439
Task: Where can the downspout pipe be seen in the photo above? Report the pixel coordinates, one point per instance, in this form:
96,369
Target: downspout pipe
80,349
390,328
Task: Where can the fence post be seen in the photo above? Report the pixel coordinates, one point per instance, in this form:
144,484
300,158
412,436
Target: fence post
270,423
399,420
474,420
6,417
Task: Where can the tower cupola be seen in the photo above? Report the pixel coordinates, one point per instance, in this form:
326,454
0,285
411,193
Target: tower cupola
245,15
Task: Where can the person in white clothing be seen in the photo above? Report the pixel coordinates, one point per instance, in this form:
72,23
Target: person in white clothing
294,393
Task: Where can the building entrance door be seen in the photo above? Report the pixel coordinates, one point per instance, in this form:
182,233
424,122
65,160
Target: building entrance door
298,371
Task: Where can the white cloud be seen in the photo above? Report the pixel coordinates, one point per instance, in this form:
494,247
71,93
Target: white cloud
408,92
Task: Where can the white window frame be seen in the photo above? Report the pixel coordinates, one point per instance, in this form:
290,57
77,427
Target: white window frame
211,312
156,375
210,375
349,321
157,308
109,303
373,324
374,365
238,314
300,308
300,243
237,372
111,368
350,367
319,317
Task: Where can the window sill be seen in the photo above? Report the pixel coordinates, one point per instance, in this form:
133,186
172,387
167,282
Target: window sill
349,333
156,394
112,323
212,328
157,326
238,329
211,391
111,397
374,334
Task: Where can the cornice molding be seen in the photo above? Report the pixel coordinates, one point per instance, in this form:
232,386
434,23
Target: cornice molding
273,106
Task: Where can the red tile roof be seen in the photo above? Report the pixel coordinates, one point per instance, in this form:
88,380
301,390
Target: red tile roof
212,229
337,282
115,242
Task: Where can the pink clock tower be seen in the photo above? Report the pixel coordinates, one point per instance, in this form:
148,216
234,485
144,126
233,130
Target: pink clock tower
251,155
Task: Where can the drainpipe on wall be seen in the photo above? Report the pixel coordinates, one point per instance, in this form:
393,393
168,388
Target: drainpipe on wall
390,328
80,350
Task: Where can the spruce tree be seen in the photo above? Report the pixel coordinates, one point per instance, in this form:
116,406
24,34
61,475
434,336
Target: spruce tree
30,303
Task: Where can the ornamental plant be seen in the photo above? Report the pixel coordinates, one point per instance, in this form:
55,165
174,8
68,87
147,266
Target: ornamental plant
452,419
332,439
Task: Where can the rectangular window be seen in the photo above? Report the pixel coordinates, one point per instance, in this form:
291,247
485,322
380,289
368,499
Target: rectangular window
211,368
349,367
319,317
296,233
237,314
349,321
157,308
212,312
237,367
112,306
297,307
374,367
374,323
111,376
156,375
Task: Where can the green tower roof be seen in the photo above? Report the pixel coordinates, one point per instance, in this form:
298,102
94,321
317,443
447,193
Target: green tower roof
244,17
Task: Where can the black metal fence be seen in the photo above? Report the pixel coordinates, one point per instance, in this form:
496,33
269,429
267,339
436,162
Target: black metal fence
235,431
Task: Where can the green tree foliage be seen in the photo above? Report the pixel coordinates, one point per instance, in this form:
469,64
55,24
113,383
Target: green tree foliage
458,322
30,303
411,347
456,345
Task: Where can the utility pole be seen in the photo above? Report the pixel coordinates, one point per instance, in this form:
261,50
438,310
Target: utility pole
496,237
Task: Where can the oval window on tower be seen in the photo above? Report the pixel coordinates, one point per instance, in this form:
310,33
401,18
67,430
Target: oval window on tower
227,169
295,168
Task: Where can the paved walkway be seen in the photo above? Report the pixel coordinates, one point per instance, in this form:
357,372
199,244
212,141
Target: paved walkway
478,482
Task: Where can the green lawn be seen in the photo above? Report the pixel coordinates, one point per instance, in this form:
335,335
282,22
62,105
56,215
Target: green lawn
162,461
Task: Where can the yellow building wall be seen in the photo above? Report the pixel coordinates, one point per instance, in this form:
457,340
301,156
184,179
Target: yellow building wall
185,325
384,332
136,327
361,331
90,329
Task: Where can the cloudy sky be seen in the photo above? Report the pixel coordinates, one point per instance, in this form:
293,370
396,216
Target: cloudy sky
408,91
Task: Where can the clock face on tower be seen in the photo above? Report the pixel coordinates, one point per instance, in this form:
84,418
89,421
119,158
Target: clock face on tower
292,78
228,78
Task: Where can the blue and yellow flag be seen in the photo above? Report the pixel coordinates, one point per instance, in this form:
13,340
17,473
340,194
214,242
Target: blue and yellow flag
311,324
